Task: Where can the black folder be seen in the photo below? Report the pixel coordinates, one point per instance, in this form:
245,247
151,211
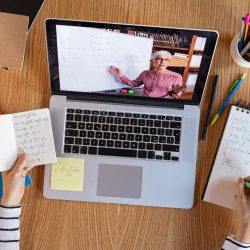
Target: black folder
22,7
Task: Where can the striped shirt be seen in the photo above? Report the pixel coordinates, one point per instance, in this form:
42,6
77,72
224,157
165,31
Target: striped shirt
9,227
232,244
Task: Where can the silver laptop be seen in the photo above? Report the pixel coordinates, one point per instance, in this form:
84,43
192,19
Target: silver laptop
125,98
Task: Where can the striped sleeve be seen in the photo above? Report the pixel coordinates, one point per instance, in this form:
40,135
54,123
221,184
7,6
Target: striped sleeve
232,244
9,227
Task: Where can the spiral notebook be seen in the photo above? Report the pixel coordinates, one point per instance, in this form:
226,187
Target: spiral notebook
232,160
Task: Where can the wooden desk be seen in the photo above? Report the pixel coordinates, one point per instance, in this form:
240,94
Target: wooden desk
52,225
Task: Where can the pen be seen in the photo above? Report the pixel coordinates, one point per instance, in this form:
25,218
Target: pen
246,48
247,188
210,105
247,184
241,34
247,19
224,104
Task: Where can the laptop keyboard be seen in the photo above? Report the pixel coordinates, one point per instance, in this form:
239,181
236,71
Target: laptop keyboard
124,134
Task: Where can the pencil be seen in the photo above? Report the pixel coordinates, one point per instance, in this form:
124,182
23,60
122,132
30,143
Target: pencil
209,108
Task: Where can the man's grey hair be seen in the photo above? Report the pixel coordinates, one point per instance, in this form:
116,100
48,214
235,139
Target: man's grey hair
161,52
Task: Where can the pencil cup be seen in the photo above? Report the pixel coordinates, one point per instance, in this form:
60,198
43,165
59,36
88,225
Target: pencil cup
235,53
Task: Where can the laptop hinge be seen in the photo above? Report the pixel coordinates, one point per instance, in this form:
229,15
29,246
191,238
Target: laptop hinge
134,101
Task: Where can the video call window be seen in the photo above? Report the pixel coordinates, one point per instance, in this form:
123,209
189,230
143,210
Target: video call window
177,56
171,64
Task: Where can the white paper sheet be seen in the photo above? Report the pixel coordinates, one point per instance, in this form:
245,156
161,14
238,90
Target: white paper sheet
195,61
232,160
191,81
200,43
8,149
34,136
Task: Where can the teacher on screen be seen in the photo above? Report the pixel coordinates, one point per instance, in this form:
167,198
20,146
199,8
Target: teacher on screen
159,82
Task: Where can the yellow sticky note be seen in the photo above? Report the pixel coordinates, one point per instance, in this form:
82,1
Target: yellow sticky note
67,174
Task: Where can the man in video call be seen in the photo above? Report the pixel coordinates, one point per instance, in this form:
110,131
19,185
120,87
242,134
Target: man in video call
159,82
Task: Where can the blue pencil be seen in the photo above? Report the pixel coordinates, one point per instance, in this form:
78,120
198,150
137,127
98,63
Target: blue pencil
224,104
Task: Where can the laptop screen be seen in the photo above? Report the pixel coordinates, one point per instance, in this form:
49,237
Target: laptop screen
129,60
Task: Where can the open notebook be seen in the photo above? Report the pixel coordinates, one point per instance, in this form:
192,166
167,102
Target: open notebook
30,132
232,160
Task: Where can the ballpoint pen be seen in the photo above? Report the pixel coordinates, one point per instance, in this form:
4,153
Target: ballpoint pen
210,105
241,34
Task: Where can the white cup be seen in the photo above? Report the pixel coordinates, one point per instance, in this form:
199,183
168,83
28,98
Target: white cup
235,53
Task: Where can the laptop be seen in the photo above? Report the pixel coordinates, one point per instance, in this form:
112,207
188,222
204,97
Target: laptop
125,98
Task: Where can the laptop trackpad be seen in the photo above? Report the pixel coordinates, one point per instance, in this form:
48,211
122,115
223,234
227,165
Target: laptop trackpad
119,181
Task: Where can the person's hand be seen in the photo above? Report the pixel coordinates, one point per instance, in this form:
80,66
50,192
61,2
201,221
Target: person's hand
177,88
115,71
243,209
13,182
175,96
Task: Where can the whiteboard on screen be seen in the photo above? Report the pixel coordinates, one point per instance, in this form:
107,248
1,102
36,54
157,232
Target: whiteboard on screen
85,54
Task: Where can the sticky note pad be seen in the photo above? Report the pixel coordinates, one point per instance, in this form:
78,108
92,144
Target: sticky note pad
67,174
13,33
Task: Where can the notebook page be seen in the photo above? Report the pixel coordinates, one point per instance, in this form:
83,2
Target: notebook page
232,160
34,136
8,150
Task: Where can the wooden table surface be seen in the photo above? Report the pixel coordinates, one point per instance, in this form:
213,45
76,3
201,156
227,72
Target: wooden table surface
53,224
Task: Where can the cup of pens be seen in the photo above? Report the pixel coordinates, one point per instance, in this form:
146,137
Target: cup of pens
240,45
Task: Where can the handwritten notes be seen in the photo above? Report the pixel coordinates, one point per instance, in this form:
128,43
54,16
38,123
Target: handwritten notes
30,132
33,134
232,160
67,174
236,145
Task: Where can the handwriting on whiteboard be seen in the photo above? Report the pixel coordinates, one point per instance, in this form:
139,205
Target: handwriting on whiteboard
85,52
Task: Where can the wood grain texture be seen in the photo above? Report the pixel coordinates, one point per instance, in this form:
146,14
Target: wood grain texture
53,225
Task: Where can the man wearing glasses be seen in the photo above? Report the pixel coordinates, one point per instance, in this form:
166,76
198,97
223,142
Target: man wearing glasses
159,82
